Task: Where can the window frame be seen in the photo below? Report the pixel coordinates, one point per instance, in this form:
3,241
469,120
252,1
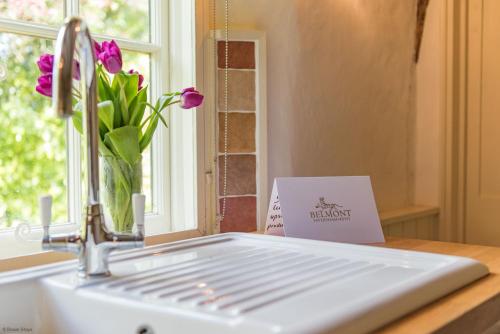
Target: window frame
169,67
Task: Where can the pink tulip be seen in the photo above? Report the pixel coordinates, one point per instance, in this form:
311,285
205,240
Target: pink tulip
190,98
110,56
76,70
141,78
45,63
97,48
44,86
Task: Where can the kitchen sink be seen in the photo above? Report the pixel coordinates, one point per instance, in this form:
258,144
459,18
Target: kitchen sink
233,283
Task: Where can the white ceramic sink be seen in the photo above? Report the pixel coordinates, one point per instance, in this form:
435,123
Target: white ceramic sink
234,283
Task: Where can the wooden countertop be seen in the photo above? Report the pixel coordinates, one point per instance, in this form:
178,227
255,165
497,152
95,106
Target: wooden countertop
471,309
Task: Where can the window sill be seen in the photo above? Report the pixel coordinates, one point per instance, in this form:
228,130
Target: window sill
34,256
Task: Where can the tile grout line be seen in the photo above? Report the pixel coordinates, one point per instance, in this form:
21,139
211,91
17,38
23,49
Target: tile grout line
239,111
238,69
237,153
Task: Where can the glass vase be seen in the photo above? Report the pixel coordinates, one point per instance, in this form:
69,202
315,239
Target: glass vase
121,180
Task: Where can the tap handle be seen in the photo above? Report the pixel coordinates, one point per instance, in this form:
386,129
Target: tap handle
45,204
138,207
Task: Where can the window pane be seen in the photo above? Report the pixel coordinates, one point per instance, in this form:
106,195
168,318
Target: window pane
32,138
119,18
139,62
39,11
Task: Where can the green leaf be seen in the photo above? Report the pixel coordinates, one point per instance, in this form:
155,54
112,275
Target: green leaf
102,129
103,86
106,114
128,82
104,151
124,142
118,82
131,86
146,120
158,113
124,107
102,92
77,122
164,101
148,134
137,107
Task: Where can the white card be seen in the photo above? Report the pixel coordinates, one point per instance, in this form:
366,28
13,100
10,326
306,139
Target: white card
340,209
274,222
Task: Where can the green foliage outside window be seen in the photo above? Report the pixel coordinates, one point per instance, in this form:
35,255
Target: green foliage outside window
32,140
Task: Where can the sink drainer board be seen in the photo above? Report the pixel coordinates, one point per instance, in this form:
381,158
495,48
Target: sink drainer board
242,283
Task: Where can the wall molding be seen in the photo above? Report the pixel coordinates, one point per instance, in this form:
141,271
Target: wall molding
452,218
407,213
416,222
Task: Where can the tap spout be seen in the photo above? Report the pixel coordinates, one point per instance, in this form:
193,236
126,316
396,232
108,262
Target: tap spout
76,33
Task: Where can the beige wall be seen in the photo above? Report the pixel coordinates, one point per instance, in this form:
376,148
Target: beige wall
341,89
430,108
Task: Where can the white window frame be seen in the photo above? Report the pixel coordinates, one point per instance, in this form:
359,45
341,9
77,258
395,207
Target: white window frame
179,162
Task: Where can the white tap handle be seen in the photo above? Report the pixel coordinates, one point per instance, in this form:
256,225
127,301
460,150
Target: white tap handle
138,207
45,204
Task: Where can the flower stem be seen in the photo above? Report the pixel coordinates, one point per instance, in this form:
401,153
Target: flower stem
76,93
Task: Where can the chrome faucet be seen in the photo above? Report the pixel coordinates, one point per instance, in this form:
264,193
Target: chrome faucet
94,242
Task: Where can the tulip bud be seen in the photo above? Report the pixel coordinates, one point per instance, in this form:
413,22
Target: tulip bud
44,86
190,98
110,56
45,63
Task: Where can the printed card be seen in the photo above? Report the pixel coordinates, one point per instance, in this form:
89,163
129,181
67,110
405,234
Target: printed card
340,209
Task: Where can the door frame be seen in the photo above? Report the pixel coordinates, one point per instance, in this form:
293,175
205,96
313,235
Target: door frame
454,134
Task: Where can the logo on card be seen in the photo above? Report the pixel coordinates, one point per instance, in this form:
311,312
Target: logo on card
325,212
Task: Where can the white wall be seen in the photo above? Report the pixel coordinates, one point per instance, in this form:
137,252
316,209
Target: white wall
341,89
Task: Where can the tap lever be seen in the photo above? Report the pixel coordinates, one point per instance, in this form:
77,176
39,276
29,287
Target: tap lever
138,208
45,205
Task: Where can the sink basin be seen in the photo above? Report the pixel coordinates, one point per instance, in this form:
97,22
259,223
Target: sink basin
234,283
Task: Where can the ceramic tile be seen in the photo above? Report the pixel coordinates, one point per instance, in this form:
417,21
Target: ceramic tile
241,90
241,55
240,175
241,214
241,132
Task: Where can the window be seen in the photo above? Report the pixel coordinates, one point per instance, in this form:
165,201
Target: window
40,154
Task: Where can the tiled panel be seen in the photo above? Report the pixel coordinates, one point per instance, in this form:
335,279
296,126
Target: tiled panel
241,54
241,90
241,206
240,175
241,214
241,134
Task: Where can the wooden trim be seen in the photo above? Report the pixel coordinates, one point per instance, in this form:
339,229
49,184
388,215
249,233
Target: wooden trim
454,124
205,80
477,320
169,237
408,213
26,261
